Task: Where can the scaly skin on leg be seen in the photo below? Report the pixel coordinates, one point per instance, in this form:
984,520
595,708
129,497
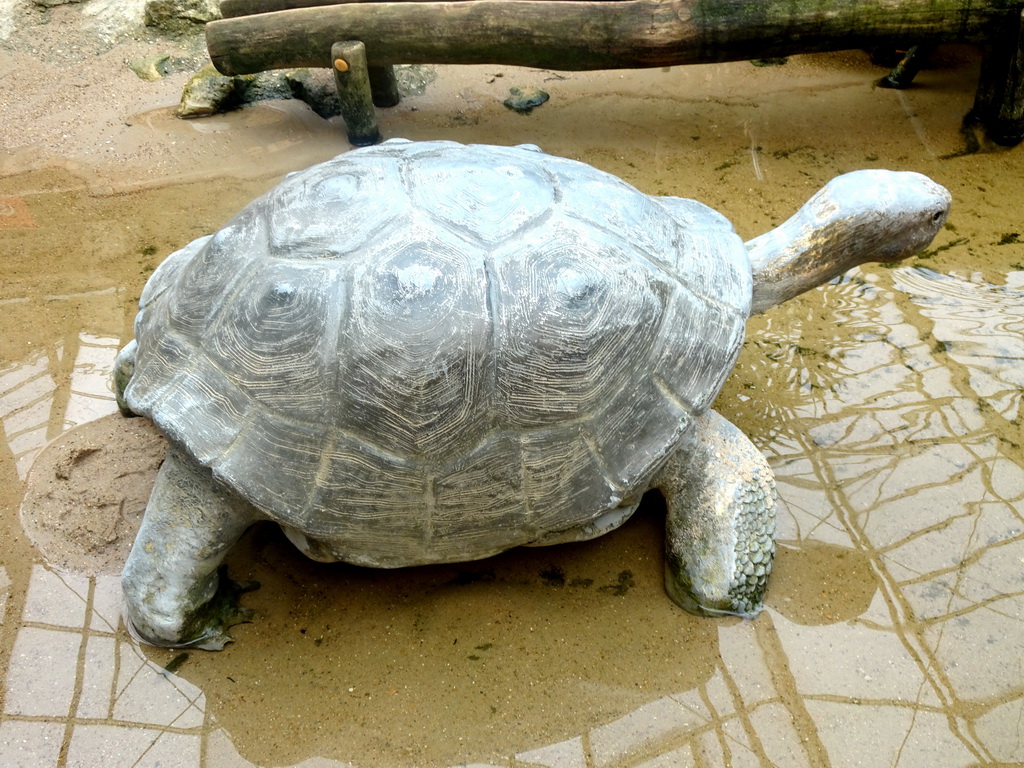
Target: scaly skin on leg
173,593
720,539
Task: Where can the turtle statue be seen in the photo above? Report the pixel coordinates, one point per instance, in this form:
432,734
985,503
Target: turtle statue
427,352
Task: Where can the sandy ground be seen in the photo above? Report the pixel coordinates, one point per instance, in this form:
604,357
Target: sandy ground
71,101
515,661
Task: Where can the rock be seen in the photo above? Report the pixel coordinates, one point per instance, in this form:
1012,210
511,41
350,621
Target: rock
207,93
180,16
151,67
413,79
54,3
315,87
262,86
524,100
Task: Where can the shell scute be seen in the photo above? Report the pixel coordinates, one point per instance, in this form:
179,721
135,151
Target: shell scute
479,498
323,213
574,315
294,451
372,505
415,353
209,430
166,274
273,337
215,273
163,359
491,200
564,481
705,341
714,265
635,430
615,207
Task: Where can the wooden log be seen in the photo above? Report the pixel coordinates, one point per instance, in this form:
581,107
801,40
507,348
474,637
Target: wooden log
231,8
592,34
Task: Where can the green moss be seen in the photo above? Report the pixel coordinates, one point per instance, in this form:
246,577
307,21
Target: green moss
934,251
624,583
553,576
174,664
782,154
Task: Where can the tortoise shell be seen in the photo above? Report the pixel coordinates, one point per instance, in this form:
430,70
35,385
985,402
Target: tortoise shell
428,352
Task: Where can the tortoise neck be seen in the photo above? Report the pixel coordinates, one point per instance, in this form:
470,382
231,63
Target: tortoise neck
803,253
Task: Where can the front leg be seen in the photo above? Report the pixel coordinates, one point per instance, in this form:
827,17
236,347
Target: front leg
720,539
173,593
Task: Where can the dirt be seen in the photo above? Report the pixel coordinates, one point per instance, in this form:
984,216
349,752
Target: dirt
72,102
87,491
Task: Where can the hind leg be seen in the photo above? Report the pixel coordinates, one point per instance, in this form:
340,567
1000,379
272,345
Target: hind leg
173,593
720,538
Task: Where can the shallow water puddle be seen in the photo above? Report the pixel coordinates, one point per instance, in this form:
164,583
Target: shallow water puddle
888,403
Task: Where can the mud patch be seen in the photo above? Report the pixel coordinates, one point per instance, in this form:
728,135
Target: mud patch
87,492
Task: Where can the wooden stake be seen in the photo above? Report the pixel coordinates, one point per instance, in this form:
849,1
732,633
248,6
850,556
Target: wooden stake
353,81
384,86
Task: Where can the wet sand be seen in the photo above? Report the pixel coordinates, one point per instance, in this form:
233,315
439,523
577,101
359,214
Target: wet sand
888,404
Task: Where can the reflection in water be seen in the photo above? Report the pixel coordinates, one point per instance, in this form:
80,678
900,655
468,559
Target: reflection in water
33,408
78,682
901,460
981,328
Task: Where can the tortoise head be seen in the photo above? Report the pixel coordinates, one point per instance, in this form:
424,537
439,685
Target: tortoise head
880,215
861,216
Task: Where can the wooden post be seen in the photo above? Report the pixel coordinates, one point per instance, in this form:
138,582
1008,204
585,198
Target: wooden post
999,102
903,74
353,81
384,86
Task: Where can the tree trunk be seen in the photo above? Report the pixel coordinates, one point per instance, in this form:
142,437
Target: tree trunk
594,34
